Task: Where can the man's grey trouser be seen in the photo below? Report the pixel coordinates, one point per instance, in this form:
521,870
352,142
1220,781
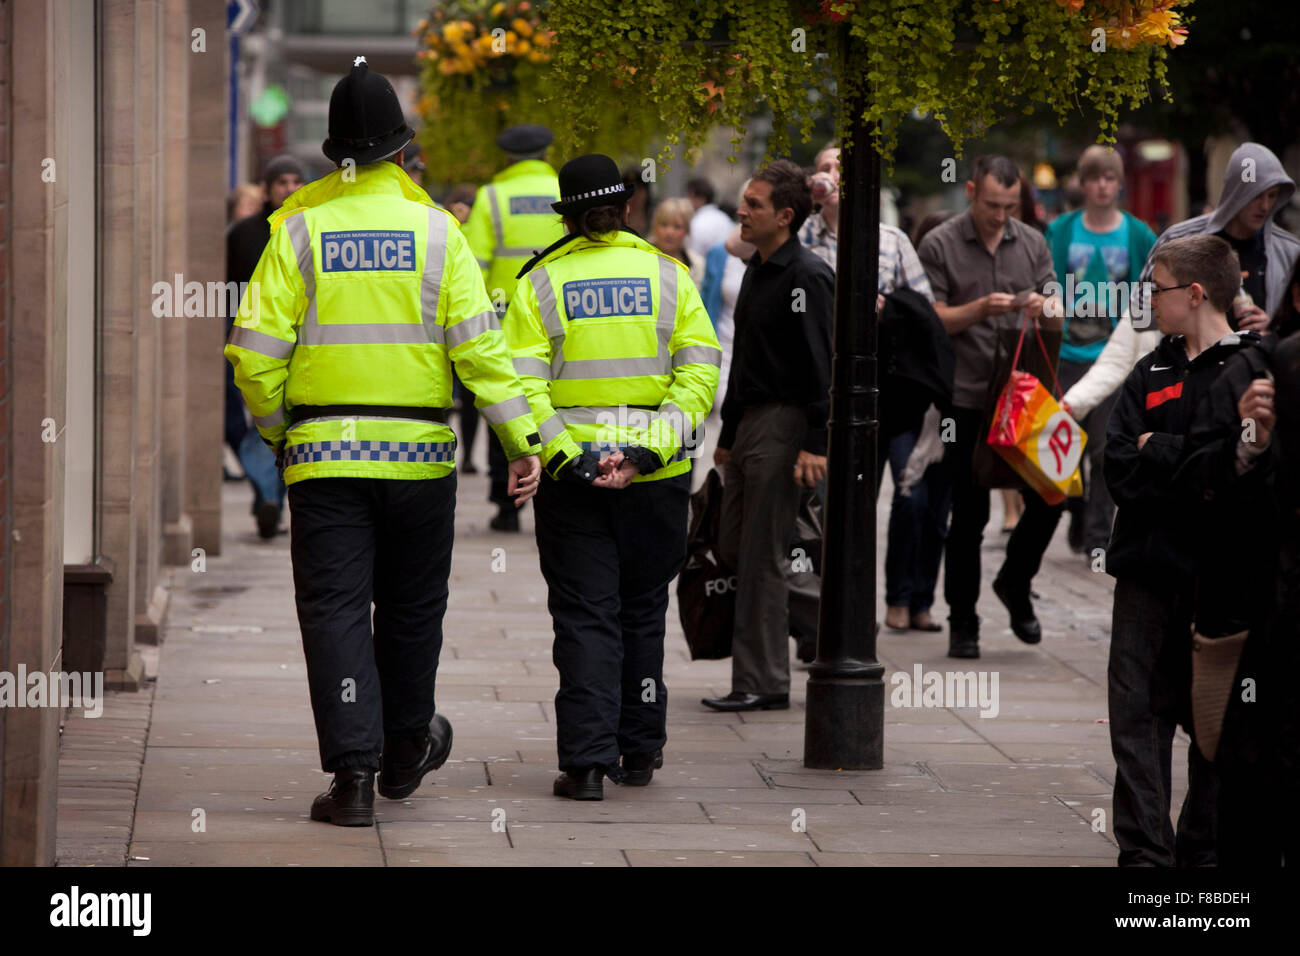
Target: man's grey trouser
759,503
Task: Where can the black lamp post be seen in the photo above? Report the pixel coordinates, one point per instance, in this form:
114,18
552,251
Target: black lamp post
844,725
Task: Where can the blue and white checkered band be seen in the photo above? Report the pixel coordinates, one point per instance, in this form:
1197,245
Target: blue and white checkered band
603,191
417,451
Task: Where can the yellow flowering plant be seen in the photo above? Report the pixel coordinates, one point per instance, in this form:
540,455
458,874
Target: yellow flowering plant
485,65
968,63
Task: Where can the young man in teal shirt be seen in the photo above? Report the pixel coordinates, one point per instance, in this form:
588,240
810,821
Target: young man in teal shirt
1096,246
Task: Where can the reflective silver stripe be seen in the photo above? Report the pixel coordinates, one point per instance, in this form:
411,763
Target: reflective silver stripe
502,412
361,418
435,255
471,328
667,299
535,367
677,420
496,215
301,239
614,368
512,252
404,333
551,429
261,343
541,281
597,414
413,451
484,263
269,421
697,355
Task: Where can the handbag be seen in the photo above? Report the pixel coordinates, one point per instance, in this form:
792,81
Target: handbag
706,588
1214,673
803,575
988,468
1034,435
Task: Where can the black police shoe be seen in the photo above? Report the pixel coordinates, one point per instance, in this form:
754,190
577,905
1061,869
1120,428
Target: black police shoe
1024,623
740,700
638,769
581,784
399,778
507,519
964,639
350,800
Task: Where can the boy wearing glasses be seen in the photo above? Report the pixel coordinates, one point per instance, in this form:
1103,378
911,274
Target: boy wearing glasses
1152,549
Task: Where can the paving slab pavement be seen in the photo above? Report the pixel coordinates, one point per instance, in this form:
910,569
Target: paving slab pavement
225,736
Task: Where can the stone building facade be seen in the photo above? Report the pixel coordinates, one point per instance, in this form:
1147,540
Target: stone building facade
113,155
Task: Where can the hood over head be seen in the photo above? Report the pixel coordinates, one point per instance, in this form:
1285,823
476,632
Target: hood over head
1251,170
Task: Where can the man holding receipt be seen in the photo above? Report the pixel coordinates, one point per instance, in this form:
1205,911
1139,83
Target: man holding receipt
974,261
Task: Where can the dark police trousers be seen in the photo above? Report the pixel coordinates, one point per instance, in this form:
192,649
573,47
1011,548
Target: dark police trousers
354,541
608,557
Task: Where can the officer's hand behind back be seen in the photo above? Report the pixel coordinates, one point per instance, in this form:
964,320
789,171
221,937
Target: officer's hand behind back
524,475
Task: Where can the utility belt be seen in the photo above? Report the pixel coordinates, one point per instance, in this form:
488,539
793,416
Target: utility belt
424,413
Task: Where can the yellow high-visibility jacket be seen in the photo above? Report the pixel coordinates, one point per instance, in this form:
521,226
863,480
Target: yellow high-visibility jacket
614,348
364,296
511,220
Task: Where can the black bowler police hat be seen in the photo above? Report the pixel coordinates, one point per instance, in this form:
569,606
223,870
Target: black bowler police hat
590,181
366,122
525,138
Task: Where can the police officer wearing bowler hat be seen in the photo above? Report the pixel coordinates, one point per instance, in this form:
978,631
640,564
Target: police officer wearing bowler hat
617,354
511,219
365,297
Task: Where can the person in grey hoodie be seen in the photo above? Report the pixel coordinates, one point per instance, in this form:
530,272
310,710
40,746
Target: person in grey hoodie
1255,189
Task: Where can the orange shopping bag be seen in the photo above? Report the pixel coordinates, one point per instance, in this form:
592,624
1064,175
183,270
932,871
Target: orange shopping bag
1035,435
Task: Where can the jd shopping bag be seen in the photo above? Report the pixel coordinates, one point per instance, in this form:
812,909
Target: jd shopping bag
1035,435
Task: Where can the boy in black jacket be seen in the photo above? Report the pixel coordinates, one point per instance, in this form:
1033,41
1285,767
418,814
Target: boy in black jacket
1151,554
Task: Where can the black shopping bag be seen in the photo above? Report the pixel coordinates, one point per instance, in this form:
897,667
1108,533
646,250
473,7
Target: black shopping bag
803,576
706,588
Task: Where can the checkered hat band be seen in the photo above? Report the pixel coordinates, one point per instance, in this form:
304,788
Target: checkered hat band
603,191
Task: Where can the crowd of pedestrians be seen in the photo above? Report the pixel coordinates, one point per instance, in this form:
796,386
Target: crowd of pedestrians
1188,392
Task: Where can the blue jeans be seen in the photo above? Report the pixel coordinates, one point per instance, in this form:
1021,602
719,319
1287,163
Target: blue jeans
258,463
918,525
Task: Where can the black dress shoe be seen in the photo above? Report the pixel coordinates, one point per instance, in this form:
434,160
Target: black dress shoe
964,639
740,700
469,468
581,784
1024,624
507,519
268,519
350,800
1074,536
399,778
638,769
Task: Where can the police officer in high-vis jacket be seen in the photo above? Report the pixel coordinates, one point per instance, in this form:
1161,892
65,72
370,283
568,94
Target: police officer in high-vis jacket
512,219
620,363
366,295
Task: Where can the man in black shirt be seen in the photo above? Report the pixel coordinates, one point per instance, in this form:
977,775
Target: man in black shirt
773,440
